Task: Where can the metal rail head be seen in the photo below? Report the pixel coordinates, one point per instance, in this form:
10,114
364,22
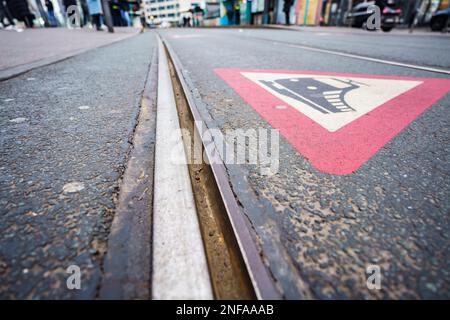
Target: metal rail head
263,284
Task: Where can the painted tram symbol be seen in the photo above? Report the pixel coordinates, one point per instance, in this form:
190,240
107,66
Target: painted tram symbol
319,95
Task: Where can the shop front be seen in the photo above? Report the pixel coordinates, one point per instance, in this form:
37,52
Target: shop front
308,12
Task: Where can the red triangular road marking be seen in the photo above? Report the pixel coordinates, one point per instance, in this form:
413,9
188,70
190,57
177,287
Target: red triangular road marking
342,146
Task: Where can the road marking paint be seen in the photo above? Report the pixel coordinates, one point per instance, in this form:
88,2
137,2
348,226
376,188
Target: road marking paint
84,107
332,92
360,57
187,36
180,269
335,138
361,95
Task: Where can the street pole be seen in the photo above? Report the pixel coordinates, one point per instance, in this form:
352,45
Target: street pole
107,15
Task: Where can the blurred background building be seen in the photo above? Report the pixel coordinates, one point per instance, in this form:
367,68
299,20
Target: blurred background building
334,12
315,12
220,12
159,11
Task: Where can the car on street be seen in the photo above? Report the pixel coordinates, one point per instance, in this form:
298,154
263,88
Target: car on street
439,19
360,13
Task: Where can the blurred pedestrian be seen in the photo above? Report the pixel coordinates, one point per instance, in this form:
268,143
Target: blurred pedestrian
96,12
51,13
229,13
37,7
413,19
142,15
86,18
237,13
287,10
124,7
5,14
20,10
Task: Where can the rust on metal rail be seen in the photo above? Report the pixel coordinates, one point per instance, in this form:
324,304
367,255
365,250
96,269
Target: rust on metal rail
236,268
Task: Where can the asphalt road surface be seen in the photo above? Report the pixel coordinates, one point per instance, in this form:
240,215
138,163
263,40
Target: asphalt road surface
65,133
424,49
347,193
319,231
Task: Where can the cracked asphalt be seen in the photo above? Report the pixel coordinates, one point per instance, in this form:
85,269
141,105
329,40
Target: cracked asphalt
65,134
318,232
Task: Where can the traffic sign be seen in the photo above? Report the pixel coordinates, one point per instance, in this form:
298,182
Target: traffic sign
337,121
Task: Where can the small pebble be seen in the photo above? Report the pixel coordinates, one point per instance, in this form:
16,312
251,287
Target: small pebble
18,120
73,187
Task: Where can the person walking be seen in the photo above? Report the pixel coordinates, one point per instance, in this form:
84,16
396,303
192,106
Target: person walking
51,13
287,10
5,14
20,10
237,13
125,15
142,16
95,10
86,17
413,19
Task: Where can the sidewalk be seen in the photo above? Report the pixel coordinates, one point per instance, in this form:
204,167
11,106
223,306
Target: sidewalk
21,52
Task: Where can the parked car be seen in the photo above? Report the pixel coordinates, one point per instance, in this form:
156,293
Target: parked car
439,19
358,16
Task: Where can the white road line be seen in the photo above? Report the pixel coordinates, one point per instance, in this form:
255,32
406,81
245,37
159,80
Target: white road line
355,56
180,269
332,92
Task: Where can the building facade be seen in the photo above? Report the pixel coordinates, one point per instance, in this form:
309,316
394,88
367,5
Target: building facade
159,11
333,12
316,12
